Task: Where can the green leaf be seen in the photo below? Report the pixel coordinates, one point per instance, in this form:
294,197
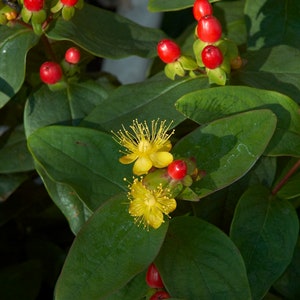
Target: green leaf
160,5
263,32
14,155
195,260
15,42
276,69
106,34
226,149
149,100
215,103
66,200
68,106
288,284
100,261
265,229
84,159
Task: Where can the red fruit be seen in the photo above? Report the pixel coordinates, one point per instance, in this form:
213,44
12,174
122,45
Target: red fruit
34,5
177,169
160,295
72,55
201,9
69,2
209,29
211,56
153,278
50,72
168,51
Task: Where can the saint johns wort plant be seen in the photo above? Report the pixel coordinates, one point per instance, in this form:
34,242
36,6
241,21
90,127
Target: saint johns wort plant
182,186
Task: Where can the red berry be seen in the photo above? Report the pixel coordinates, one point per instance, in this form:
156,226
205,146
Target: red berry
211,56
209,29
153,278
34,5
72,55
69,2
168,51
160,295
177,169
50,72
201,9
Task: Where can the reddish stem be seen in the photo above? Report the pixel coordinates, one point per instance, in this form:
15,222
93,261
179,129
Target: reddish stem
286,178
48,47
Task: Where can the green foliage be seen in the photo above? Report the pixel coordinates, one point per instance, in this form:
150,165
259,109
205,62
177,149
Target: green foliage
67,227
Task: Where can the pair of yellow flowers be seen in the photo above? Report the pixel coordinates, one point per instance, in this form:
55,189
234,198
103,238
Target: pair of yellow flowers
146,148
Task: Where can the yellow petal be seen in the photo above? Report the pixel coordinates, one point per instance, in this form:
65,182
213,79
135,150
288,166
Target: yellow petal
142,166
166,147
168,205
161,159
154,218
128,159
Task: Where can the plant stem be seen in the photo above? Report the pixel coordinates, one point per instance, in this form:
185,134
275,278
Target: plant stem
286,177
48,48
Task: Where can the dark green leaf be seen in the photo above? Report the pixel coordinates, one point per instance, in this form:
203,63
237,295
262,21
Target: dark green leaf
149,100
288,284
67,106
106,34
226,149
84,159
159,5
214,103
9,183
195,260
15,42
265,229
264,32
107,253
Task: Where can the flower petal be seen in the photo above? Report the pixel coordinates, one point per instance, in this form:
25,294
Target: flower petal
161,159
142,166
154,217
128,159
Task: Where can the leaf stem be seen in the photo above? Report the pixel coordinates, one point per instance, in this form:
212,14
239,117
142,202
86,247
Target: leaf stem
280,184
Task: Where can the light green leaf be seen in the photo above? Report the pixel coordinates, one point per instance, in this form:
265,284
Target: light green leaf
195,260
84,159
215,103
106,34
100,261
15,42
265,229
226,149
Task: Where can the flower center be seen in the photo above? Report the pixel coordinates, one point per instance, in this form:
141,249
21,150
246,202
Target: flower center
144,146
150,200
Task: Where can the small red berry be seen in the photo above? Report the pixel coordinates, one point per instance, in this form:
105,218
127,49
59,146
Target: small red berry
168,51
50,72
34,5
69,2
211,56
153,278
160,295
201,9
209,29
72,55
177,169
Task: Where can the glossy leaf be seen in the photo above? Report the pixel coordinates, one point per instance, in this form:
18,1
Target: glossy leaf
68,106
84,159
14,155
267,245
15,42
195,259
106,34
67,200
100,260
262,30
152,99
226,149
214,103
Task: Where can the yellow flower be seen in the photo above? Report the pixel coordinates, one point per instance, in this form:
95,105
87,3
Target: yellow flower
148,206
145,147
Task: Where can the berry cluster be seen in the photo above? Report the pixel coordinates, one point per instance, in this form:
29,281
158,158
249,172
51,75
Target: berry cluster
214,55
154,281
52,72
